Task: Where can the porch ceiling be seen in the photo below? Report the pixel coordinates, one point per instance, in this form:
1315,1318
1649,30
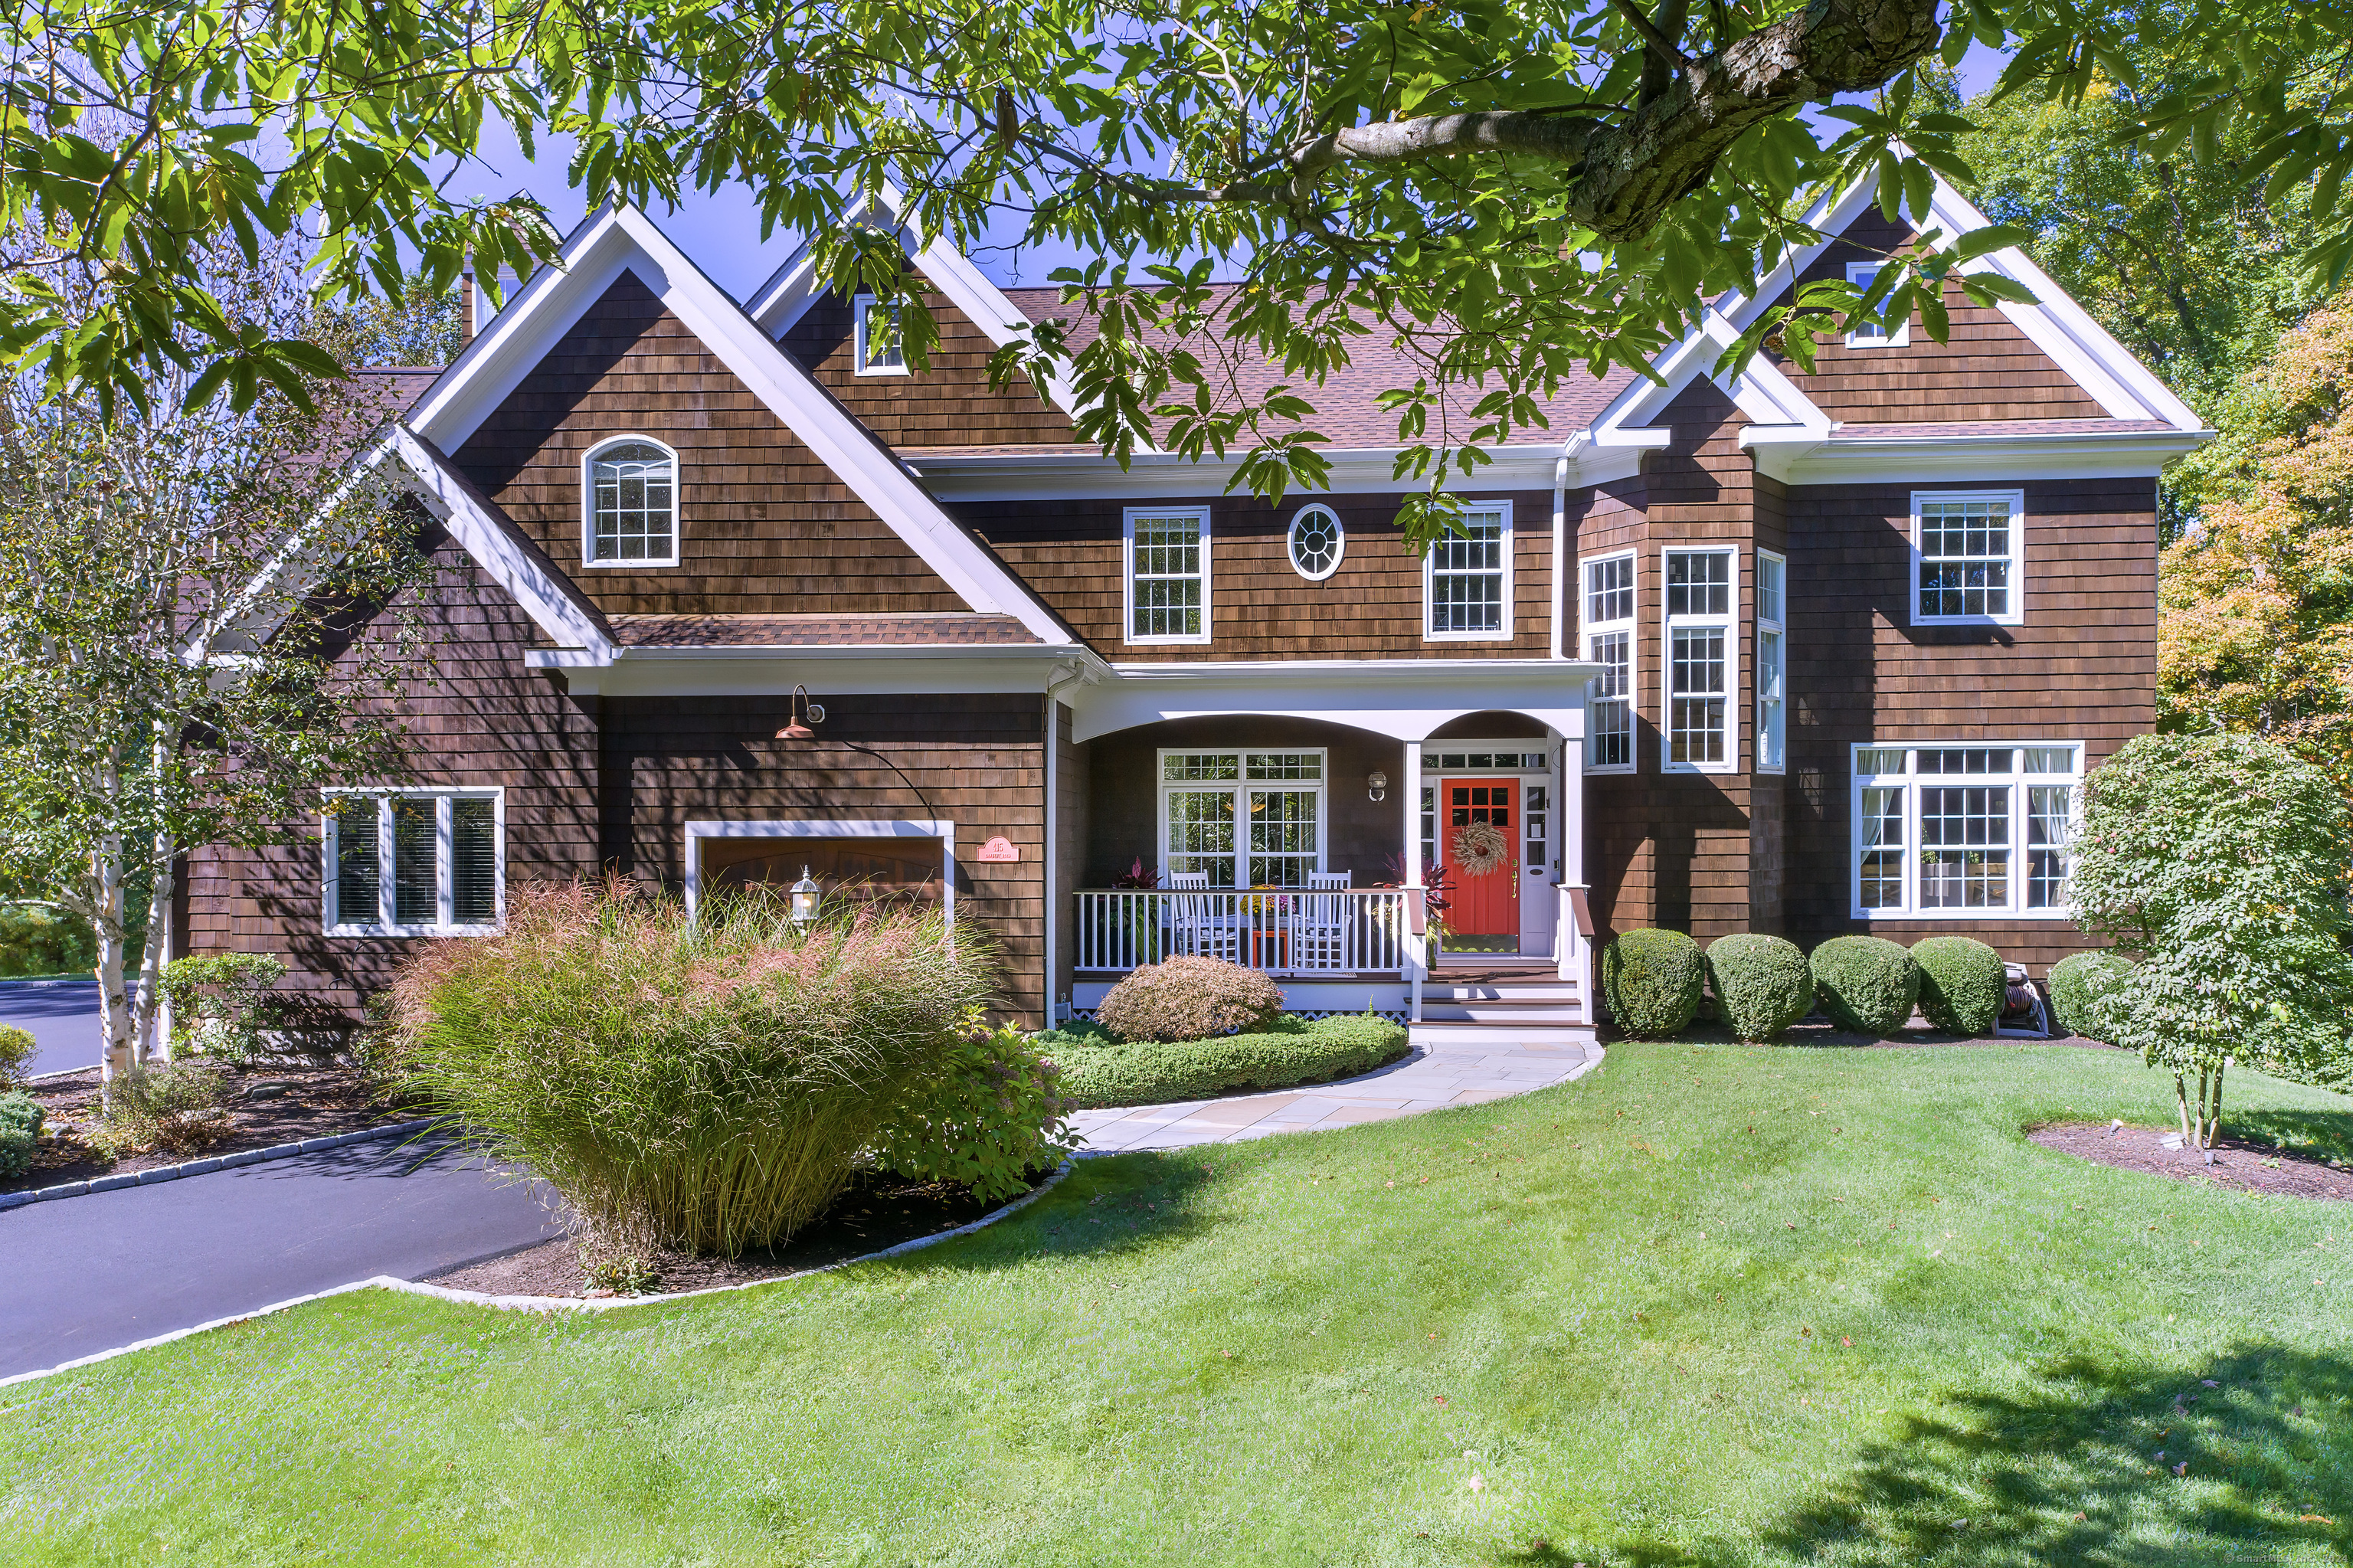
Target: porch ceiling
1406,700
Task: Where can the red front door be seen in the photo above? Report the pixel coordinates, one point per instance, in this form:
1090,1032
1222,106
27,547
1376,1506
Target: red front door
1482,867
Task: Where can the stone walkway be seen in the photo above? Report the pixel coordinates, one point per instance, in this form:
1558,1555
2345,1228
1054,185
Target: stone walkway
1433,1078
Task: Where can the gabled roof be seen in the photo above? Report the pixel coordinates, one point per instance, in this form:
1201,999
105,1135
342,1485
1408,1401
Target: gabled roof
618,239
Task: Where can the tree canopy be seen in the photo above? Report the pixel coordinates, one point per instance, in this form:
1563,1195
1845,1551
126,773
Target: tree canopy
1515,192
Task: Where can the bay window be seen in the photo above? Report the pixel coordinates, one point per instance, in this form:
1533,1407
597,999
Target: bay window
1246,819
1608,628
407,862
1960,830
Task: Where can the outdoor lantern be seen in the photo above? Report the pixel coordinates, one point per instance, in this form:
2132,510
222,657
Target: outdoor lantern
1377,785
806,893
799,714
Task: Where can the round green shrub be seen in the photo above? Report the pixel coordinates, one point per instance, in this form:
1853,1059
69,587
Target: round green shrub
1867,984
2077,980
1189,999
20,1131
1095,1071
1651,982
1761,983
1962,984
16,1050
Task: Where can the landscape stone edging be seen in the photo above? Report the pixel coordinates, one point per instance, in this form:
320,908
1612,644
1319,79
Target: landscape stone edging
547,1303
207,1165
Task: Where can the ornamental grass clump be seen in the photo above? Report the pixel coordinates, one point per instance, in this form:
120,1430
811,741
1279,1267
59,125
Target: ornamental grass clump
1652,983
1761,983
705,1081
1868,985
1963,984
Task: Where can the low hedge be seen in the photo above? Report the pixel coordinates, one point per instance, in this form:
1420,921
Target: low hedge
1963,984
2079,978
1868,985
1761,983
1651,982
1098,1071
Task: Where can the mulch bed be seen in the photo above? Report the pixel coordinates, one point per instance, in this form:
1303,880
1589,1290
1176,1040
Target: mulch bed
877,1211
317,1101
2243,1166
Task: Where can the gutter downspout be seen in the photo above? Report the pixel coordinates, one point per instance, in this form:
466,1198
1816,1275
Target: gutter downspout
1561,586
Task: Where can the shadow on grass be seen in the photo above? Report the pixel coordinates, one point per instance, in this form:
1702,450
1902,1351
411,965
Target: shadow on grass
2327,1134
2081,1468
1109,1203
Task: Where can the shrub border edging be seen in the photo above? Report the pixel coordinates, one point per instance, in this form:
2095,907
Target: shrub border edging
206,1166
548,1303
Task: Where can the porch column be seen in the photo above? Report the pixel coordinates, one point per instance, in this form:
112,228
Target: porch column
1411,860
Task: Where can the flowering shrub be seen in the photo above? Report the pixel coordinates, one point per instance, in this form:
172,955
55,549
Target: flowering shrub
1189,999
988,1117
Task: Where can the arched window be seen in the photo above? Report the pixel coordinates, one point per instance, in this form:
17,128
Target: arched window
1317,542
630,489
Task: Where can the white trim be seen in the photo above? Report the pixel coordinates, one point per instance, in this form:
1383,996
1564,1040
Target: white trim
861,350
387,923
1501,511
1079,472
1868,274
1240,785
825,828
1778,627
1910,781
1631,627
856,670
2014,614
588,505
1127,520
1728,623
1797,457
1404,699
1762,393
618,238
1339,541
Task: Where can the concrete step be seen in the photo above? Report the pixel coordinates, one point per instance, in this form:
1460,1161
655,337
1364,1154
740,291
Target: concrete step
1474,1010
1441,1031
1534,994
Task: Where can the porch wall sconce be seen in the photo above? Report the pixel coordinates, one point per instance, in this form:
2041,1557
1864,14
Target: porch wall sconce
806,895
1376,786
799,714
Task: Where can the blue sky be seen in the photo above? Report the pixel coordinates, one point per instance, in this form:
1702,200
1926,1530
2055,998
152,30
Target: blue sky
721,231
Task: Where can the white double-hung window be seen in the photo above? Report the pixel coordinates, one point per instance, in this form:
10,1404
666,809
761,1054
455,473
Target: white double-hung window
1248,819
1608,630
1701,648
1968,558
1772,661
414,862
1167,574
1963,830
1467,578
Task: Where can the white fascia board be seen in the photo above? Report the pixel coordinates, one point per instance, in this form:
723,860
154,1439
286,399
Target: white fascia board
1400,698
1083,473
618,239
831,671
1970,458
1761,392
549,601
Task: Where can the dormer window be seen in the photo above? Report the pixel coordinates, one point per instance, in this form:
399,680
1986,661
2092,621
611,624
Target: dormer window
629,487
1872,334
879,350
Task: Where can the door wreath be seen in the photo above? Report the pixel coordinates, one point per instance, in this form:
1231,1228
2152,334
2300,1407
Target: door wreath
1479,848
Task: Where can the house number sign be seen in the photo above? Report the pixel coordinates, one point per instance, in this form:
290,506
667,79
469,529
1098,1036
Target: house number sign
999,848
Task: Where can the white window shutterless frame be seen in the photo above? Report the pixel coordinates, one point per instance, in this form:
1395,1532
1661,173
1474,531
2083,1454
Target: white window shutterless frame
1248,819
414,863
1700,648
1165,573
1772,661
875,348
1607,622
1968,558
629,504
1961,832
1870,334
1466,579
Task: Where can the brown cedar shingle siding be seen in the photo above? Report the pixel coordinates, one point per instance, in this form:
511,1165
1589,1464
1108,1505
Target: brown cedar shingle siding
950,403
765,528
1986,369
978,759
1371,607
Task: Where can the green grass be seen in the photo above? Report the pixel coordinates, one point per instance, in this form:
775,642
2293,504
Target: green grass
1714,1305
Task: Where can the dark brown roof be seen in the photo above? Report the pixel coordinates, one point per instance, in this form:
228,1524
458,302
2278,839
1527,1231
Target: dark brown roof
1961,428
397,385
817,631
1347,410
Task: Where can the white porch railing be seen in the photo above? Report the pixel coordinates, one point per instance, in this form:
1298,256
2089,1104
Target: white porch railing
1283,931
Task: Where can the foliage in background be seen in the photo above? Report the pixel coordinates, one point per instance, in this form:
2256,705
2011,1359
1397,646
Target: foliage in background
42,939
706,1084
1963,984
221,1002
16,1049
988,1117
414,323
1652,983
1868,985
2077,984
1097,1070
20,1130
2222,861
1761,983
1189,999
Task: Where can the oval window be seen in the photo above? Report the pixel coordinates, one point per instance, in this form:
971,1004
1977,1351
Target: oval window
1316,542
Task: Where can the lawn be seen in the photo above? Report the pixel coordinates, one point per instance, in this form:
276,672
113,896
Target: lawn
1712,1305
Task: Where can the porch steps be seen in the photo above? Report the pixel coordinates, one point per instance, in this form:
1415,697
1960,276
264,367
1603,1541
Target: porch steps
1500,1003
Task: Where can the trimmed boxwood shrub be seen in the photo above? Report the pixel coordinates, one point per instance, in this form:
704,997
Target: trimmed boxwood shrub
1651,982
1761,983
20,1130
1963,984
2076,979
1097,1071
1867,984
1189,999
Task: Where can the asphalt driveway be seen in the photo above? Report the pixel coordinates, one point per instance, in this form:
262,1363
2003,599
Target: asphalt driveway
63,1016
92,1273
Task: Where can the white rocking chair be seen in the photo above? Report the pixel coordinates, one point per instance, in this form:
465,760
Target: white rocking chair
1319,928
1196,927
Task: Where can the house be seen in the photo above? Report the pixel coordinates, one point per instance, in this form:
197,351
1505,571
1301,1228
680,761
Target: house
727,593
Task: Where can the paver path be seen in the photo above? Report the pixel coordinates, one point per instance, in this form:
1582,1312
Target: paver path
1433,1078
